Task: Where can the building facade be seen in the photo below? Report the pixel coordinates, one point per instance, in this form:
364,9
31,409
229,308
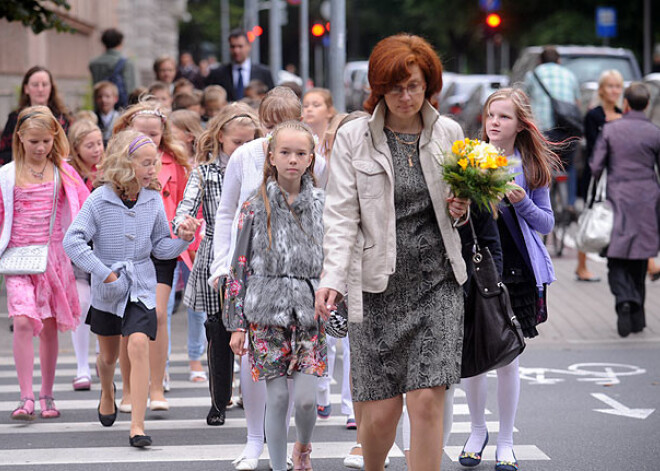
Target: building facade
150,29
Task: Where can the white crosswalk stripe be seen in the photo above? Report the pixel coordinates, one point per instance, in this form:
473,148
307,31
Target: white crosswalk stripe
189,403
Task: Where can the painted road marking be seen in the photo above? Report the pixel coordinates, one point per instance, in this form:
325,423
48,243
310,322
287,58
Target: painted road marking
620,409
523,453
189,453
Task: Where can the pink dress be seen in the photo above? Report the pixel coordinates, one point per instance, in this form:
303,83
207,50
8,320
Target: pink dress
53,293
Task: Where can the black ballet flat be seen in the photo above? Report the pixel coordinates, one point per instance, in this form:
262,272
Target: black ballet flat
109,419
215,417
140,441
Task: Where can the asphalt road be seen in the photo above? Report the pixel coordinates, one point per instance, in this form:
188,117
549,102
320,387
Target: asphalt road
589,401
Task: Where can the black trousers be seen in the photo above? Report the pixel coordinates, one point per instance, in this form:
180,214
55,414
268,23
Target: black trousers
627,279
221,362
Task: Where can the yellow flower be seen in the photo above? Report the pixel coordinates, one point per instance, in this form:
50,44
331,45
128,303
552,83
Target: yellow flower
488,163
458,147
471,158
501,161
463,162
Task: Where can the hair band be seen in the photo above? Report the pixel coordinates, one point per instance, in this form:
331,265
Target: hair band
24,118
139,142
155,113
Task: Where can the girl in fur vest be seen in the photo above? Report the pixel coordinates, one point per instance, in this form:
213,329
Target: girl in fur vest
270,289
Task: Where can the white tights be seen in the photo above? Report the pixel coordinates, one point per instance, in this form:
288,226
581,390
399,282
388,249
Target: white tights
508,392
80,336
254,404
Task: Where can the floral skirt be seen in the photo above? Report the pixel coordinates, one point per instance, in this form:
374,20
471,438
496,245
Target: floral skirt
277,351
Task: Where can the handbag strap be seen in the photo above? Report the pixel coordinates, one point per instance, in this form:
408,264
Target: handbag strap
538,79
55,195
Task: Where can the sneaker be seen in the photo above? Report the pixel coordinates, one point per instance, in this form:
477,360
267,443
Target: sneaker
351,424
324,411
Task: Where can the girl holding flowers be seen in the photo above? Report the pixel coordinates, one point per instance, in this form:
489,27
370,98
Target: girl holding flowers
524,212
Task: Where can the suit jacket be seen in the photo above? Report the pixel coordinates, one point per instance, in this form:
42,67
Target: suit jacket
223,76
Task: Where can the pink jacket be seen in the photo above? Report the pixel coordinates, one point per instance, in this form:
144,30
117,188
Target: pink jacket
75,191
173,178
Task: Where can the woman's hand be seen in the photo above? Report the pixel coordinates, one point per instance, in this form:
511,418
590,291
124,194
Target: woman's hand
517,194
237,343
457,206
111,277
325,303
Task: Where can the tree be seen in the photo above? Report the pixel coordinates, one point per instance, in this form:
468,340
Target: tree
34,14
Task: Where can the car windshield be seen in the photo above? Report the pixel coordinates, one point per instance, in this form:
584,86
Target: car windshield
588,69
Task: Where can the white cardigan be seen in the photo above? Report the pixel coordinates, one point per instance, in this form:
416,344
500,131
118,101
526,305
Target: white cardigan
243,177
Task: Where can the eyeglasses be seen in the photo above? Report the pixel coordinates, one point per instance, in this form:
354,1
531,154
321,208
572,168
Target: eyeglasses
412,89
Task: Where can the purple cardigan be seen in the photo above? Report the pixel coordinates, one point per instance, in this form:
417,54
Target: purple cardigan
535,216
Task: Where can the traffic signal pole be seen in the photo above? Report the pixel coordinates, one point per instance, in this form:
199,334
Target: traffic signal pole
304,42
337,52
275,39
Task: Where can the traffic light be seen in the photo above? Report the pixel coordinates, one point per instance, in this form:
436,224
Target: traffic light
254,33
493,20
318,30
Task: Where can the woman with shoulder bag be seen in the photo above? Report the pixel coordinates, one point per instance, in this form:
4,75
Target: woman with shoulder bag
390,236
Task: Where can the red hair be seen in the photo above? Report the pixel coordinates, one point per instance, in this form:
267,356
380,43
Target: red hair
390,62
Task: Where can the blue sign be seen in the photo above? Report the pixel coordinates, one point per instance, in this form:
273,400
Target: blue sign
489,5
605,22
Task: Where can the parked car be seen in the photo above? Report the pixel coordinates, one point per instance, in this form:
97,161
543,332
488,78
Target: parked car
464,98
355,76
652,81
587,63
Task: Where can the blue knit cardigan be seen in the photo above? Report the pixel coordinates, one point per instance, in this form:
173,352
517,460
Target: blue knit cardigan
123,240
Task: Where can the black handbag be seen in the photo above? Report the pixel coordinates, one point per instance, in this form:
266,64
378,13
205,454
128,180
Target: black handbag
492,336
567,115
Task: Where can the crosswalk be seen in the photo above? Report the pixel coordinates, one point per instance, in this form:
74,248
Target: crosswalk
181,436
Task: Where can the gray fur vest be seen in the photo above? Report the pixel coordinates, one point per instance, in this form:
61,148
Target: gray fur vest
280,289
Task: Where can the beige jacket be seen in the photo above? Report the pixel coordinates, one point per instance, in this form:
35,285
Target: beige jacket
359,218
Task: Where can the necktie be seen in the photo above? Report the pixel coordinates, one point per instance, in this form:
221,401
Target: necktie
239,84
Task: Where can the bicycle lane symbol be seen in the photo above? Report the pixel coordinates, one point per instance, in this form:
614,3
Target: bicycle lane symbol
603,374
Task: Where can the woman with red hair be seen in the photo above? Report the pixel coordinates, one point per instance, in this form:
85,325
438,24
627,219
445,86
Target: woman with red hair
391,239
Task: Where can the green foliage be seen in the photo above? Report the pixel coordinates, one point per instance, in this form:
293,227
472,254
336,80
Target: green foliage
204,24
34,14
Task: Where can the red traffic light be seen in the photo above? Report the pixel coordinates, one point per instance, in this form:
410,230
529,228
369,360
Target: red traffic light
493,20
258,30
318,30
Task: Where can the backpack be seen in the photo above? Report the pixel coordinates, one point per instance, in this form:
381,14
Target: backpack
117,78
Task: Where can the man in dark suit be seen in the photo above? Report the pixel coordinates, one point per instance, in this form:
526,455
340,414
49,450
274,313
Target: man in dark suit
234,77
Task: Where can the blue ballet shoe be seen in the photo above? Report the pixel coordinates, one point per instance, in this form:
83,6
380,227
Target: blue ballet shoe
472,458
506,465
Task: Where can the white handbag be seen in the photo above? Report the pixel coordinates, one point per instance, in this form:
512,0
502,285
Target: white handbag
597,220
30,259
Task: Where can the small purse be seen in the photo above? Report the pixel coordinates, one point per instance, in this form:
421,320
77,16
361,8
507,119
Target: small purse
30,259
492,335
337,324
596,222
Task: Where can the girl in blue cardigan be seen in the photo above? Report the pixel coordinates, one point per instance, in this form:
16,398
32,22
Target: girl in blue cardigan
125,219
527,268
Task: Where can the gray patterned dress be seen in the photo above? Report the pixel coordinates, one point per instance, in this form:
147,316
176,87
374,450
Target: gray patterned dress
412,334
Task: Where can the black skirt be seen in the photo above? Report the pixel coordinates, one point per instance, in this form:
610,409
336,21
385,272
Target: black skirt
137,318
164,270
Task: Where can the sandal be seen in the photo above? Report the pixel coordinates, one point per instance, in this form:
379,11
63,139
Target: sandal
301,457
197,376
24,411
48,409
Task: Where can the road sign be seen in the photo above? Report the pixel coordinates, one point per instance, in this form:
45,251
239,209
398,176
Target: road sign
490,5
606,22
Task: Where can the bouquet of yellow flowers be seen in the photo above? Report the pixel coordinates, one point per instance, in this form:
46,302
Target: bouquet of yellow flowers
478,171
